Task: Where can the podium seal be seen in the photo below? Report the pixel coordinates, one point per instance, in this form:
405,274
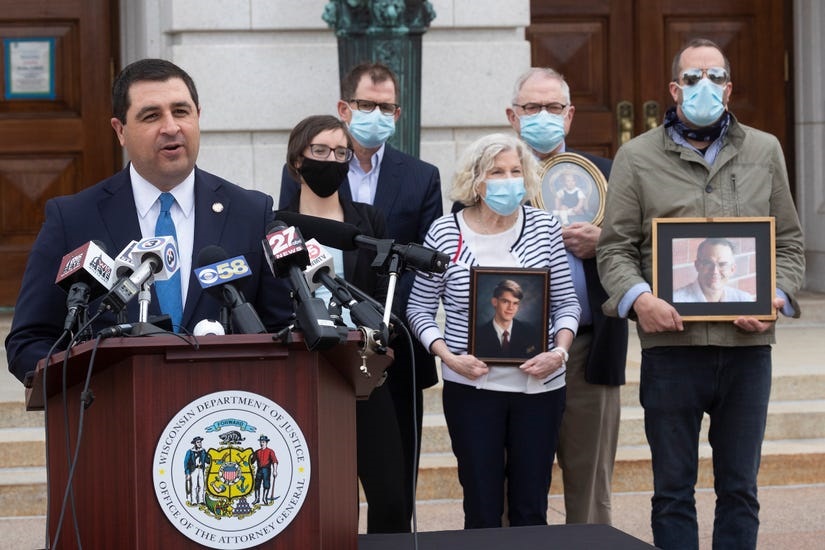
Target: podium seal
231,470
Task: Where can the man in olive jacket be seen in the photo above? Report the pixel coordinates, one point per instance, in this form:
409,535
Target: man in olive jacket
700,163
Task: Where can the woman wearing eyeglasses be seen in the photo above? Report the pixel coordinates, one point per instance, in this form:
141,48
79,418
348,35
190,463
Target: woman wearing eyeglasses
318,155
503,420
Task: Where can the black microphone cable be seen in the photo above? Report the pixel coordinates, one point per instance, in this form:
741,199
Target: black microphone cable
86,398
64,391
411,349
46,422
399,324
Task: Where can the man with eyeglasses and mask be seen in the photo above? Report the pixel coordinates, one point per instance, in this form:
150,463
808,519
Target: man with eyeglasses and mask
542,114
407,191
700,163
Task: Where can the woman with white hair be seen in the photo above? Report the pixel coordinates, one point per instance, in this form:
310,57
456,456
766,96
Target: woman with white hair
503,420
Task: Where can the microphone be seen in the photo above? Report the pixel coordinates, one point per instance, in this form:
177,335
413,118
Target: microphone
345,236
85,273
216,275
318,259
156,258
321,272
287,255
124,264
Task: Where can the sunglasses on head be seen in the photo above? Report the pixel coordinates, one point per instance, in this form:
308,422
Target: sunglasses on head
717,75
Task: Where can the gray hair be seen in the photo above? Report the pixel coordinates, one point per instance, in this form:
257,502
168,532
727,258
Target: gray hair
545,72
479,158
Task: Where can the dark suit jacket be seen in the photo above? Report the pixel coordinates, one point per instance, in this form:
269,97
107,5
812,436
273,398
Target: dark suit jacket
106,212
409,197
525,341
608,353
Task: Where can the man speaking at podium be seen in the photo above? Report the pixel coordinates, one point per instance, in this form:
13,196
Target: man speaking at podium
161,191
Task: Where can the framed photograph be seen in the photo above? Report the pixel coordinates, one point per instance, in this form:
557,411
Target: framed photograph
508,313
716,269
572,189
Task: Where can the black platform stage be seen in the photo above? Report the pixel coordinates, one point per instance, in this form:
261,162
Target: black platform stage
555,537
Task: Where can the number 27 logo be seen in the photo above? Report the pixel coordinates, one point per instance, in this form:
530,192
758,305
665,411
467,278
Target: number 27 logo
280,241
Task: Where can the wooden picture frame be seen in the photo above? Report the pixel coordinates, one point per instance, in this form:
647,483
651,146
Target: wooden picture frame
716,269
528,330
572,189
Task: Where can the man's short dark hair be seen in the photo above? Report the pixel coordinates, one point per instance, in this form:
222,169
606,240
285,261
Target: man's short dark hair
153,70
510,286
303,132
696,43
713,241
378,73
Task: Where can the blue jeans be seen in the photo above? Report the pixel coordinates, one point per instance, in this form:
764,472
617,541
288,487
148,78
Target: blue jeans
732,385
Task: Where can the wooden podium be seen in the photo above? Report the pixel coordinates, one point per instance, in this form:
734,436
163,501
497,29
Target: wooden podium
139,384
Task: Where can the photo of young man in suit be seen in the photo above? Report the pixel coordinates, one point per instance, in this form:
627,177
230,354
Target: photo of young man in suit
504,335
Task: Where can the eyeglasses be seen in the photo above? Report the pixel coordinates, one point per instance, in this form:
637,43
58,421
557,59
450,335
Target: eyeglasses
367,106
717,75
535,108
321,152
710,265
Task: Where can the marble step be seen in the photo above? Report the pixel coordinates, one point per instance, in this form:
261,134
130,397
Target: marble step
786,420
784,462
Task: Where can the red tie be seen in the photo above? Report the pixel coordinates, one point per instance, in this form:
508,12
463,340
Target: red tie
505,341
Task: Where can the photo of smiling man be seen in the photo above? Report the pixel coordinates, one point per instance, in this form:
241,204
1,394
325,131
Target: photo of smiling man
715,267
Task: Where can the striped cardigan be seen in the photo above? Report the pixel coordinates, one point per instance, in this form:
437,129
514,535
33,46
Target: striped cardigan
539,244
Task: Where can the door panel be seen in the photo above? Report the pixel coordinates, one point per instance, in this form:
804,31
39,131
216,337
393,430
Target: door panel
51,147
750,32
619,52
580,40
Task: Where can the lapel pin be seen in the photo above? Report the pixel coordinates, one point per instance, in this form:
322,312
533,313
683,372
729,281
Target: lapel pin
217,207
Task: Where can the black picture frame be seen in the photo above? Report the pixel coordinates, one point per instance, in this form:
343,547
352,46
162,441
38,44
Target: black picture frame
529,334
589,185
749,280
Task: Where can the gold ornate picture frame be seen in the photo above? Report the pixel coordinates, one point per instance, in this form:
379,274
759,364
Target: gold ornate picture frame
572,188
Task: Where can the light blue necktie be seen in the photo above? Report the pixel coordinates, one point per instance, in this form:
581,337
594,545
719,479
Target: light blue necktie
168,291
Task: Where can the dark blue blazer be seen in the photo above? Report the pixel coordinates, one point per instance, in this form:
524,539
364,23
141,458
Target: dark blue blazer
106,212
409,197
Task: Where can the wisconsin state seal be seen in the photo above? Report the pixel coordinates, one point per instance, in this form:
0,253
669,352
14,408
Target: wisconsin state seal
231,470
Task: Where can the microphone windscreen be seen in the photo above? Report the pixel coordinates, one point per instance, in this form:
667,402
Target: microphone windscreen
207,326
328,232
275,225
211,254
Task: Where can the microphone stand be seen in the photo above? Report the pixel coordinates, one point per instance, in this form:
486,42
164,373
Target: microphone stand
143,327
144,298
224,319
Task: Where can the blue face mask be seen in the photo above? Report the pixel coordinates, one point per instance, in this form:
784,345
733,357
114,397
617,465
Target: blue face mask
543,131
371,129
702,103
503,196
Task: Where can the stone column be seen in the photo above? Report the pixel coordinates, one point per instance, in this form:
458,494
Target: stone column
388,31
809,87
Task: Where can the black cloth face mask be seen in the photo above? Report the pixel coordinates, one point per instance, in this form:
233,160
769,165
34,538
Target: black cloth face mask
324,177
